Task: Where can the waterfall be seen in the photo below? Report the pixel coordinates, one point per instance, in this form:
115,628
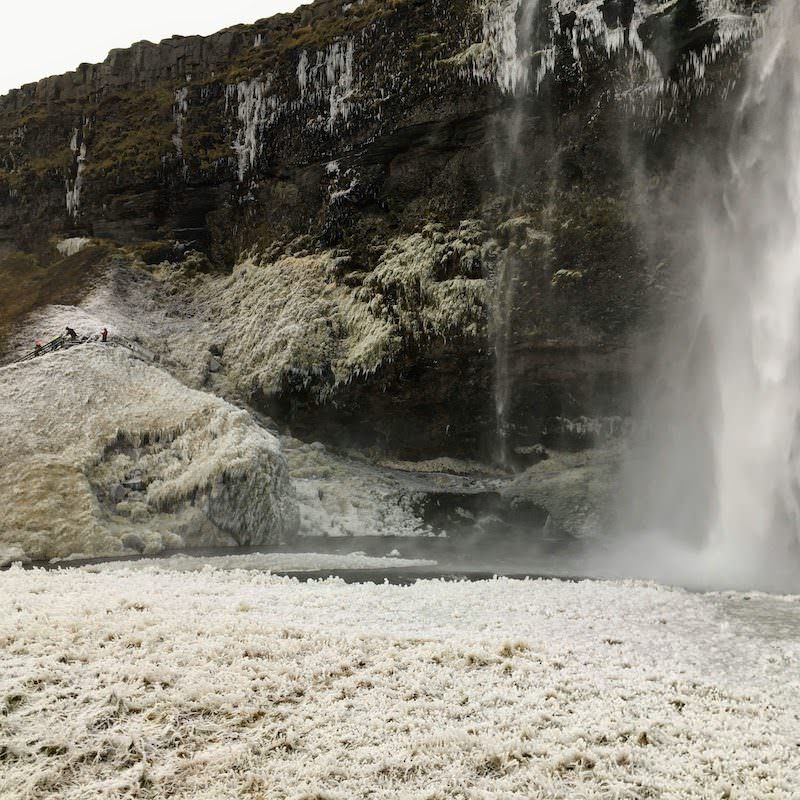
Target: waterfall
752,303
717,481
508,28
500,324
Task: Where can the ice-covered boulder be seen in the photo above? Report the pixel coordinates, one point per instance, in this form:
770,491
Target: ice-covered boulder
577,490
100,448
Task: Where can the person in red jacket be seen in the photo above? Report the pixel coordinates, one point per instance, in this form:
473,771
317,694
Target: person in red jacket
104,335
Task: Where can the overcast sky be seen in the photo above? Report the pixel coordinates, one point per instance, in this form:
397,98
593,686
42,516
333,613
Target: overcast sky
42,37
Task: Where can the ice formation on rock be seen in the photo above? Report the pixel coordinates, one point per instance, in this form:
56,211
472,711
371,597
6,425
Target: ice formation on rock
75,185
256,109
69,247
497,57
338,496
510,56
506,47
329,79
591,34
290,320
101,450
339,194
435,279
180,109
732,31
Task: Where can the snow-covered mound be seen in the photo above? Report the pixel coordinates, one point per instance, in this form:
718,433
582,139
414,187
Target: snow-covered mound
337,495
224,685
102,452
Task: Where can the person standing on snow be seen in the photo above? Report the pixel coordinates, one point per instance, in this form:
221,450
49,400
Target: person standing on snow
104,335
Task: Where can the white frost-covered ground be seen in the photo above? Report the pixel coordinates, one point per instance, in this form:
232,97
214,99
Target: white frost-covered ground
217,684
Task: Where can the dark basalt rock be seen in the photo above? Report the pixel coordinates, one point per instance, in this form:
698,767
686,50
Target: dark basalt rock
415,138
676,31
482,514
434,402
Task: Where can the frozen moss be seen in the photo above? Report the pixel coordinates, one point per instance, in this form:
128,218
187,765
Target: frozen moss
293,319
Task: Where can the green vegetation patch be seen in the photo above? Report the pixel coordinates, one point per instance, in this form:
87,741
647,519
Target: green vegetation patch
131,132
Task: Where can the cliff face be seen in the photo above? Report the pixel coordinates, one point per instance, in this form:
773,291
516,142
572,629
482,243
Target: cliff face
466,191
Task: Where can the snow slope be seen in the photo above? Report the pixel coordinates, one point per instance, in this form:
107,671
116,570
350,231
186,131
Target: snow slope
98,446
220,685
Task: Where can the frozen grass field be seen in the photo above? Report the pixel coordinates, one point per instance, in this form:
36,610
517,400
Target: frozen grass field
157,683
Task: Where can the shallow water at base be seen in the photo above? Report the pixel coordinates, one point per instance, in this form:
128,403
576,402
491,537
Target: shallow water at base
453,557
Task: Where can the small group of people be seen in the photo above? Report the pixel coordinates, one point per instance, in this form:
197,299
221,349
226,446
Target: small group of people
70,335
73,337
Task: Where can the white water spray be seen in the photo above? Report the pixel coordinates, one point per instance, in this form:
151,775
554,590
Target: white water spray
752,303
718,485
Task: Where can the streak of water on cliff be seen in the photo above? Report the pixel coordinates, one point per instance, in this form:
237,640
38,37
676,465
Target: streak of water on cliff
510,27
721,476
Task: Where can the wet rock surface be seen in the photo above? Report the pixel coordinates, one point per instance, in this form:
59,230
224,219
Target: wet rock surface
482,515
577,489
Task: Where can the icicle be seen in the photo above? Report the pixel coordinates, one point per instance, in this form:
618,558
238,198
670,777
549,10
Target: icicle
74,187
180,109
330,79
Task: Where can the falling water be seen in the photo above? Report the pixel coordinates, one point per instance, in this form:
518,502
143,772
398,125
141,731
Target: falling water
752,300
502,306
722,474
508,28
